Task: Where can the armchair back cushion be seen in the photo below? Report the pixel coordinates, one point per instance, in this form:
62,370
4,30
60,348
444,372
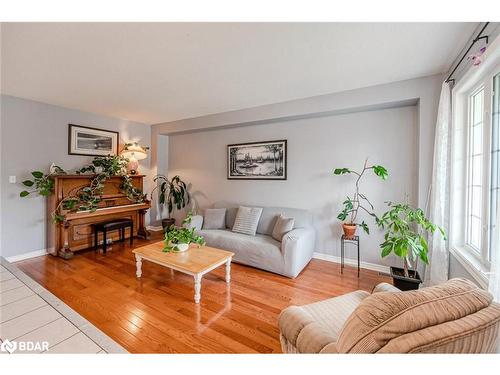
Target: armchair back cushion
442,318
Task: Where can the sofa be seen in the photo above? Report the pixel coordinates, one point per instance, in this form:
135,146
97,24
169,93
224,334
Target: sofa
287,257
453,317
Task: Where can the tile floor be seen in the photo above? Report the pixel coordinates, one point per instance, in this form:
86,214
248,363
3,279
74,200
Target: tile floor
31,314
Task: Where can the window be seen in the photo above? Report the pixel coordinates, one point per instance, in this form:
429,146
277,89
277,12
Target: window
475,184
475,189
495,160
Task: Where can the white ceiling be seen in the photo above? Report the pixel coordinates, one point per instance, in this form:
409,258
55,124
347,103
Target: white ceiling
158,72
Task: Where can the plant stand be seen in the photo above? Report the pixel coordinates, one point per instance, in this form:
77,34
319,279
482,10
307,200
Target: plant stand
347,240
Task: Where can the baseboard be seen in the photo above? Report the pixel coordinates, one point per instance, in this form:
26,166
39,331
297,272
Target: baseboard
352,262
154,228
31,254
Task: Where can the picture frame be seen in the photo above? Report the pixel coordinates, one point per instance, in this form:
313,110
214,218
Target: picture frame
266,160
89,141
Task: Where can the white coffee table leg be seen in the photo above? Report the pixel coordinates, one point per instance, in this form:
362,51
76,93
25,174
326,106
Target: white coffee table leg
197,288
138,264
228,270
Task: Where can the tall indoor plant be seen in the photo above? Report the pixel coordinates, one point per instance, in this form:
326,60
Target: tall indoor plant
406,228
173,193
357,201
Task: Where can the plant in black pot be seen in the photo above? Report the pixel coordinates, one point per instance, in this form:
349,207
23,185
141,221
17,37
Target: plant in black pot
405,237
358,200
173,193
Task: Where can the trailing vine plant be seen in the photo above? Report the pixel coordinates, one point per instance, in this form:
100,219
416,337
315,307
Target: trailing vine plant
42,184
86,198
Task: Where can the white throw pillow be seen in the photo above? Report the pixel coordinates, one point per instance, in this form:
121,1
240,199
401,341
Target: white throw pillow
214,218
283,226
247,220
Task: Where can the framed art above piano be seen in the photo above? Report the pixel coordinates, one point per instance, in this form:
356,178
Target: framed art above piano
87,141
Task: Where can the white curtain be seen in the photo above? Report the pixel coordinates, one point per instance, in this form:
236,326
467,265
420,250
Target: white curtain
437,270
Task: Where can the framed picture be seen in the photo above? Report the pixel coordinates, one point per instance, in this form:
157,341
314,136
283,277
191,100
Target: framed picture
257,161
83,140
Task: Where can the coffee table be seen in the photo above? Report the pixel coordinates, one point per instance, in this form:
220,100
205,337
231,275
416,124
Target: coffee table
196,261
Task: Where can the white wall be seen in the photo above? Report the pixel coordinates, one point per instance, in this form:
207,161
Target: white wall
315,147
422,91
33,135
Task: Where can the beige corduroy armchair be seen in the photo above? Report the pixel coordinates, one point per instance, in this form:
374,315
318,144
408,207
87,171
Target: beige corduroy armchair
454,317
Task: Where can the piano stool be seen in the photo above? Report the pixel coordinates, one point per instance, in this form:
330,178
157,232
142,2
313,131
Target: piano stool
106,226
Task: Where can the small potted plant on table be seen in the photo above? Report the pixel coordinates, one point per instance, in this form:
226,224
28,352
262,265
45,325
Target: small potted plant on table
353,204
405,237
179,239
172,192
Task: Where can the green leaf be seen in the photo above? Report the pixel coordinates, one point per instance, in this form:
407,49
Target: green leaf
386,251
338,171
24,193
348,204
28,183
380,171
45,192
56,218
424,258
365,227
37,174
342,216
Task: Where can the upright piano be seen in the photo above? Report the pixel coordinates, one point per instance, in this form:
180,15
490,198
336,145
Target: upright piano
76,232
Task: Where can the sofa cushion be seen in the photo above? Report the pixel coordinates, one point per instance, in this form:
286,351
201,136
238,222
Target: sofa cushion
283,226
258,251
247,220
302,218
385,316
214,218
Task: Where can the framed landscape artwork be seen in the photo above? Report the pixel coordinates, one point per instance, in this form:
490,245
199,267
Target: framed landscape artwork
83,140
257,161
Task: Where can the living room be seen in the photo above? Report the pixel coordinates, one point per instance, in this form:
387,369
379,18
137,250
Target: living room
249,187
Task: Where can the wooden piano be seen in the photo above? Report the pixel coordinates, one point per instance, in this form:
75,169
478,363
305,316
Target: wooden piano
76,231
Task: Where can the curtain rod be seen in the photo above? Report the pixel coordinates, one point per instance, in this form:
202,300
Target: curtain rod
474,41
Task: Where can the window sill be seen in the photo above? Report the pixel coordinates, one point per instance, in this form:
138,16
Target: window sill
477,270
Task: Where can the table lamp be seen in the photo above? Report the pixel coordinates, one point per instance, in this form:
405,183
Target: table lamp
134,152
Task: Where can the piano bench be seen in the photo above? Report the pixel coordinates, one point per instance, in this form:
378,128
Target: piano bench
107,226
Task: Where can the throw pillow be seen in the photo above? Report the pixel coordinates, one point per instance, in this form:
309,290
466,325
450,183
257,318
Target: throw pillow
283,226
214,218
247,220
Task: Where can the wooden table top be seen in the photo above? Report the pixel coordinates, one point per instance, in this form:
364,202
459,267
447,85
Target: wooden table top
195,260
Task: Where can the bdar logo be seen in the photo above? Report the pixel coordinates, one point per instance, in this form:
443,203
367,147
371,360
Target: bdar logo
8,346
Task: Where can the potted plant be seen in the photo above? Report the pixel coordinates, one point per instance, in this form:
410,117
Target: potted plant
179,239
405,237
174,193
353,204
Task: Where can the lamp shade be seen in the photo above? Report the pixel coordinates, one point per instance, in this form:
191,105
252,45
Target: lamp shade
134,151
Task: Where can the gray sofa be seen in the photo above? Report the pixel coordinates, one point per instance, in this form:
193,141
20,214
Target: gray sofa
286,258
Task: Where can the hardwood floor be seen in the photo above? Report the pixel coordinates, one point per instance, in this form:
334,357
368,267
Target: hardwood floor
158,315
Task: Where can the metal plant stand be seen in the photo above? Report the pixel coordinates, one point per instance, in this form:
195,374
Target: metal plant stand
350,240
